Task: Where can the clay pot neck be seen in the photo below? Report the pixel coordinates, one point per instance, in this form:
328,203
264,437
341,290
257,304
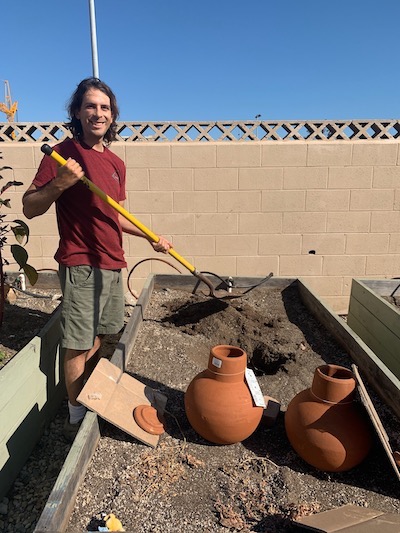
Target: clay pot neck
333,384
227,363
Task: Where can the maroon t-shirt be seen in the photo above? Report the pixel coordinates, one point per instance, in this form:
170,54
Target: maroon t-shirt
90,233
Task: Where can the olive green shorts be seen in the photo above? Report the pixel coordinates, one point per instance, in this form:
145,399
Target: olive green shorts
93,304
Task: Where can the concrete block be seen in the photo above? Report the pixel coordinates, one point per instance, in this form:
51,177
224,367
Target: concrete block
303,265
386,177
238,155
343,265
394,243
367,243
215,179
383,265
148,155
329,200
374,200
25,175
281,154
305,178
44,225
385,222
348,222
323,243
283,200
195,202
179,224
366,153
216,224
326,285
260,223
18,155
260,178
279,244
239,201
353,177
257,266
137,179
171,179
329,154
194,155
195,244
237,245
304,222
224,266
150,202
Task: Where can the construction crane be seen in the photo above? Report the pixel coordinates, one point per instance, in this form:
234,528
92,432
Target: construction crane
8,107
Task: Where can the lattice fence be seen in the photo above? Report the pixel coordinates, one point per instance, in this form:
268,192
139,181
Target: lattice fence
307,130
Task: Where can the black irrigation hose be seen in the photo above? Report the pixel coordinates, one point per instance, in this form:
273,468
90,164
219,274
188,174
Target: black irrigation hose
142,261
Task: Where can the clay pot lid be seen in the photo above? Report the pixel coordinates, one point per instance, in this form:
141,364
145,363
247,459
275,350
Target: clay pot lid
148,418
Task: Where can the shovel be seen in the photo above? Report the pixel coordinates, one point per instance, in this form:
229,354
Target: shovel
46,149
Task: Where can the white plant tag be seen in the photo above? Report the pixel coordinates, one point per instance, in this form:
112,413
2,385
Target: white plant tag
216,362
254,387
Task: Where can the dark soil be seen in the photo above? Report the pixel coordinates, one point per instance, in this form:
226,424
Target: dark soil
188,484
24,318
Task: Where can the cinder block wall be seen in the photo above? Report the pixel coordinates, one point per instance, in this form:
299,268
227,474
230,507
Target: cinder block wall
322,211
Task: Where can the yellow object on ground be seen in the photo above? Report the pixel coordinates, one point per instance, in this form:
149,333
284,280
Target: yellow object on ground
112,523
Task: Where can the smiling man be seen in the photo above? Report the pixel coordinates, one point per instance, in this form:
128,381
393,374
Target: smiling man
90,253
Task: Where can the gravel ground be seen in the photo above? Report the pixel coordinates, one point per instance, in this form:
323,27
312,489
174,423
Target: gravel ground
187,484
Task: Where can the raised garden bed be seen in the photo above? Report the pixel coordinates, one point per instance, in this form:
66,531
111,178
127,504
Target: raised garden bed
186,483
31,391
375,318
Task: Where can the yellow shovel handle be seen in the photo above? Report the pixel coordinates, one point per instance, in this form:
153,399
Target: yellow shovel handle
46,149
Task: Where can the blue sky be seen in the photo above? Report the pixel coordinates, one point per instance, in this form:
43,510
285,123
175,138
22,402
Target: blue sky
209,60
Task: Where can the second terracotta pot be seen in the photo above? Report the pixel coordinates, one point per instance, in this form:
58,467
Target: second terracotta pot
218,402
324,424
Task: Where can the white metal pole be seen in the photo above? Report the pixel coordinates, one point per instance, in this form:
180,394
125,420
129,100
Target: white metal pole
95,59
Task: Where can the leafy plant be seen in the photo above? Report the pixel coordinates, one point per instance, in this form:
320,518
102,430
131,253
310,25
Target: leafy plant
21,234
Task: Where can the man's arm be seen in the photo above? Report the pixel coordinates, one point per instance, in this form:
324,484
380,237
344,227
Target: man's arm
37,201
163,245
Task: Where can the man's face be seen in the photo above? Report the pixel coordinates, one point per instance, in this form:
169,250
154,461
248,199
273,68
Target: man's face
95,115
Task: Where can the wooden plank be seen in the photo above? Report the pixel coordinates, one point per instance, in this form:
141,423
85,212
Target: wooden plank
383,287
60,504
31,392
376,421
124,347
379,377
386,312
380,339
376,321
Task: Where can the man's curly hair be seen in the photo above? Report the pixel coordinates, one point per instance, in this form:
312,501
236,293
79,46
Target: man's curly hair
75,104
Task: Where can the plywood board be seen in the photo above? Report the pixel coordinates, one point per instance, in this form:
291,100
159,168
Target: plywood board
337,519
114,395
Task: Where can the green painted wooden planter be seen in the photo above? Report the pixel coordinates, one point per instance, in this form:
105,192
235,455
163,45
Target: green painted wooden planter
31,391
377,321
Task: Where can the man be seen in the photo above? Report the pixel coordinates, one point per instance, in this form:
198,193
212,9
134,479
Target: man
90,253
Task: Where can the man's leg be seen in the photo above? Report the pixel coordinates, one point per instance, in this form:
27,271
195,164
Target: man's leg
93,356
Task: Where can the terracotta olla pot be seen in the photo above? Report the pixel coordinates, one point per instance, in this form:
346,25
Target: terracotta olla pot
325,426
218,402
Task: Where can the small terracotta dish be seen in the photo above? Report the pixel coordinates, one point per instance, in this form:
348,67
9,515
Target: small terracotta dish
149,419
